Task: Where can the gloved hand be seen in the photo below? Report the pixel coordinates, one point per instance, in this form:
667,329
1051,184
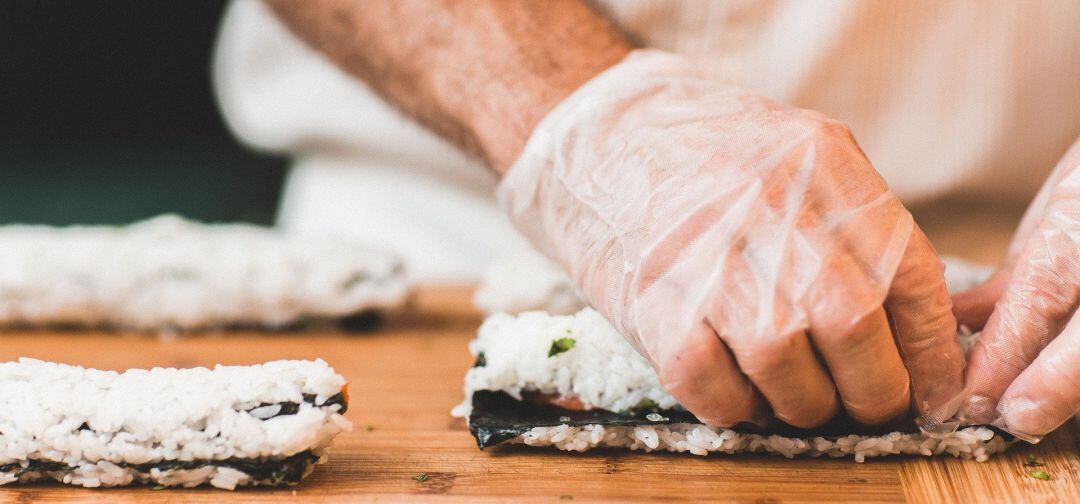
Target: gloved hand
1024,372
746,248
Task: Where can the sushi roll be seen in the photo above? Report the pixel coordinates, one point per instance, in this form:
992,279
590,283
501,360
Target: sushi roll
168,273
230,426
573,383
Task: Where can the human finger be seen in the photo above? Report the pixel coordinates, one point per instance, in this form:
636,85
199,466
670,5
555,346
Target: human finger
789,375
925,329
705,378
973,307
1047,393
1039,300
866,368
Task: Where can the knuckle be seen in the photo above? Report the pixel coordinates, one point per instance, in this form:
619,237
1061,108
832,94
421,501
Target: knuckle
854,327
679,376
923,275
690,371
1006,355
689,361
929,334
842,327
769,355
849,295
1047,289
853,344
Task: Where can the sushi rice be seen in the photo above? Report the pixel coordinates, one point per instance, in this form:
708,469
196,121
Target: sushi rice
168,273
604,372
230,426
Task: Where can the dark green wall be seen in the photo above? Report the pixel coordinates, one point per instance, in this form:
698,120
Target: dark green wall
107,116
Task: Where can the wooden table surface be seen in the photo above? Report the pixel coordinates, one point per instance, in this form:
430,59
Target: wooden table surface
406,376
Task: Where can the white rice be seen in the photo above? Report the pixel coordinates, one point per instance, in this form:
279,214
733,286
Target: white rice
604,372
94,421
972,442
169,273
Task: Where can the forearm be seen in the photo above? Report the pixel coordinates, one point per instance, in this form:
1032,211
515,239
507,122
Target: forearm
481,73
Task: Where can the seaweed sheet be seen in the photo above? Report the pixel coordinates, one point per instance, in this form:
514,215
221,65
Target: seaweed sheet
286,471
289,470
498,417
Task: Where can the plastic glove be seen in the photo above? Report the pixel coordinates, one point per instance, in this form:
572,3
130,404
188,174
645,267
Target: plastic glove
1024,372
744,247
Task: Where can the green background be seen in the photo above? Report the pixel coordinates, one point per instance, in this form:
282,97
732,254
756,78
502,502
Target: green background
107,116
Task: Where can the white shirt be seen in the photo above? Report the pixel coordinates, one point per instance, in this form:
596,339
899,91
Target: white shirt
947,98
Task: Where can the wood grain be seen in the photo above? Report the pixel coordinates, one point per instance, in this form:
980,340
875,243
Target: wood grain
406,377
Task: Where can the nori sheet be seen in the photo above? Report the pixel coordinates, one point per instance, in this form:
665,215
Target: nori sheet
287,471
498,417
290,408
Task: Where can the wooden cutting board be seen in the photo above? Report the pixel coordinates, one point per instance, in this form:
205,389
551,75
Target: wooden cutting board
406,376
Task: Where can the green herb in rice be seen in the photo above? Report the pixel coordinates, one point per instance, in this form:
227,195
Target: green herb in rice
643,406
1040,475
561,345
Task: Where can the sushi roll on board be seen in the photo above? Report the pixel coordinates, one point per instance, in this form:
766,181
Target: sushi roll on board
168,273
230,426
572,382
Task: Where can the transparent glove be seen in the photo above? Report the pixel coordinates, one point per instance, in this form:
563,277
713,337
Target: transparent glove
1024,372
746,248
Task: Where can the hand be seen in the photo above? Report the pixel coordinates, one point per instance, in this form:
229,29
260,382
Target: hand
1024,372
748,249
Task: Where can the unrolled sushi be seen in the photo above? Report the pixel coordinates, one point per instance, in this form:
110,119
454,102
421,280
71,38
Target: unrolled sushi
168,273
230,426
572,382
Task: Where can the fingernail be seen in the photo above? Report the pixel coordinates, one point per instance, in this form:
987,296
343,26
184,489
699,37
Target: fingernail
943,407
1021,417
762,420
977,409
758,423
758,420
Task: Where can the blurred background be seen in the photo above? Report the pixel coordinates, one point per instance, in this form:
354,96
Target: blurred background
108,117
